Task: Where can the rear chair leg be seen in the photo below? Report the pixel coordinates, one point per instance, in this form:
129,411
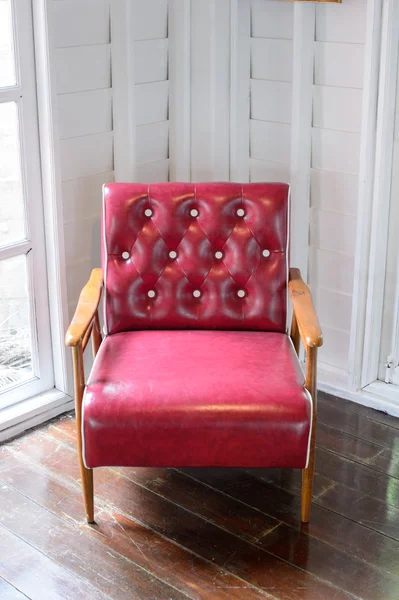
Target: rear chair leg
86,474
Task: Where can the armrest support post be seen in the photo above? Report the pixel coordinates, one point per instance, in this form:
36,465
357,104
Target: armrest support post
305,326
86,474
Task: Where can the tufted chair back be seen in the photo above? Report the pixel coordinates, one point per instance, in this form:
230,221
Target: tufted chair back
195,256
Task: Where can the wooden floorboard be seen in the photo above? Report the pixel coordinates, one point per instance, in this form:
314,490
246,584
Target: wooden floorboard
205,533
9,592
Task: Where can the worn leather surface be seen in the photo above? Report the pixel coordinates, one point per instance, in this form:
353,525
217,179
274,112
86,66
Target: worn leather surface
196,398
137,261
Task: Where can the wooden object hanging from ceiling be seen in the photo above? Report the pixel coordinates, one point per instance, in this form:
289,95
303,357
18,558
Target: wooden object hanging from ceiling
318,1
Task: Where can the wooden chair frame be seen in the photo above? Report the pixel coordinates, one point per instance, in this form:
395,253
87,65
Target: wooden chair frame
85,325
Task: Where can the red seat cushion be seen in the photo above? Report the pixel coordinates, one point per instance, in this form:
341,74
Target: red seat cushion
196,398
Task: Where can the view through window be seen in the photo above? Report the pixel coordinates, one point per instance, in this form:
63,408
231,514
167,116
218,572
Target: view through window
25,351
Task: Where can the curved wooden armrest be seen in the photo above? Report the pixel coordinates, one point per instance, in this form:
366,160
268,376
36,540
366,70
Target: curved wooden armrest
308,324
86,309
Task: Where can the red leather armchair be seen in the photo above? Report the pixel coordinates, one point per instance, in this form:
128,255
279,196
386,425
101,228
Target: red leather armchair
196,367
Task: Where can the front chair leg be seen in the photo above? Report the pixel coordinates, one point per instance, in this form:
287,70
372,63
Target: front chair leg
308,473
86,474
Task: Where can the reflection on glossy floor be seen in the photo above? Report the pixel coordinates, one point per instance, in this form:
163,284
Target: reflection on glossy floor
217,534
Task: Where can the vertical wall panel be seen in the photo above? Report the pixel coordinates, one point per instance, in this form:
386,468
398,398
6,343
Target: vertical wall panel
337,109
271,89
150,58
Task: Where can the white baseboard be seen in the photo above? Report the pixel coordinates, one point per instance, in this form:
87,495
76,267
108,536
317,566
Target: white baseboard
16,419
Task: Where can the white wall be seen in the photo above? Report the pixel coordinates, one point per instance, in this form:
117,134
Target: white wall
82,60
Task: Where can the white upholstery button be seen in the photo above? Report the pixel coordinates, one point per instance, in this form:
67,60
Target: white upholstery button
196,294
151,294
218,255
194,212
241,293
266,253
240,212
148,212
172,254
125,255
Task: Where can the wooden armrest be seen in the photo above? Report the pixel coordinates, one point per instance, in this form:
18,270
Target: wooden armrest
305,313
86,309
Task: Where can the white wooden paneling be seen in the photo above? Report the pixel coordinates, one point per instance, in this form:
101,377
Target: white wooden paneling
151,102
150,61
86,155
84,113
152,172
77,277
152,142
301,143
82,198
331,270
179,30
83,242
271,59
240,77
339,65
123,105
333,308
333,231
270,141
334,191
210,90
83,68
150,19
271,101
335,150
337,108
272,19
342,23
260,171
335,351
81,23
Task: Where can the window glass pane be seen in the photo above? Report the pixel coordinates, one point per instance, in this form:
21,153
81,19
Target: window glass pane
15,332
12,210
7,61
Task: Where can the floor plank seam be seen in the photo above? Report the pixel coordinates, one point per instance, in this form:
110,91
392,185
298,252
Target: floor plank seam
363,463
356,436
15,588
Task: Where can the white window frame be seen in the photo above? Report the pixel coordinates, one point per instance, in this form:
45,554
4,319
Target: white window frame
59,398
24,96
374,205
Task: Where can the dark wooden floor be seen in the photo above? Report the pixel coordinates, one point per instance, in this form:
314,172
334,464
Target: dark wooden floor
232,534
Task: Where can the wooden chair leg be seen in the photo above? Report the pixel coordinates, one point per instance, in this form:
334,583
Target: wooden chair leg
307,483
88,490
86,474
308,473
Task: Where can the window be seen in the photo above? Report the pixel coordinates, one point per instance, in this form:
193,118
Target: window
26,365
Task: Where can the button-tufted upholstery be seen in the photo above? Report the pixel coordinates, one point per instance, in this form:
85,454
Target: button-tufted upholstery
195,256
